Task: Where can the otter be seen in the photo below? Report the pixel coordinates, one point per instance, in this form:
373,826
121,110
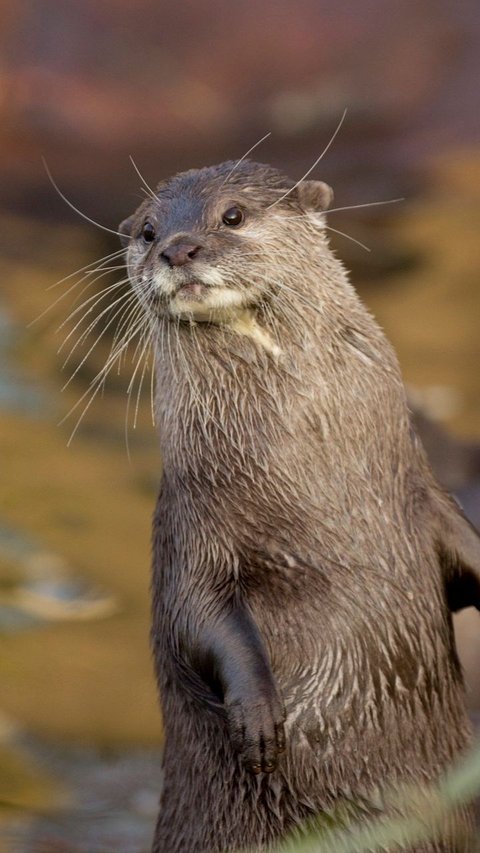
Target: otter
305,560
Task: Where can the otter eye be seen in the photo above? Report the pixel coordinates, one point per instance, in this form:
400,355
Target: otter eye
148,232
232,217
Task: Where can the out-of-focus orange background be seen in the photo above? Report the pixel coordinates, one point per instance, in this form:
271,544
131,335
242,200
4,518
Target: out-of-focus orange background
86,84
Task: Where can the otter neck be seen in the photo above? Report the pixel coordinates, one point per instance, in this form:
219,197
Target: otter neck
239,391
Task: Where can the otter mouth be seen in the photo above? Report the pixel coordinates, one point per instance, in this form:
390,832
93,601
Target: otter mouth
201,302
192,291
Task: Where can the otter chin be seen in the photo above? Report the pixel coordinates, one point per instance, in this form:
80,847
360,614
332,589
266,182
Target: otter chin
305,560
206,303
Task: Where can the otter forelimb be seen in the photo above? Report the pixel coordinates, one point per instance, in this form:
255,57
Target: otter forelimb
459,546
231,652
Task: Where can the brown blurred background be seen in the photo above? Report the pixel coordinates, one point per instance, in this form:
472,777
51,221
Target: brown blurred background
86,84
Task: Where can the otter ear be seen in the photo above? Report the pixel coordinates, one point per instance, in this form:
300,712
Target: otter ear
125,231
314,195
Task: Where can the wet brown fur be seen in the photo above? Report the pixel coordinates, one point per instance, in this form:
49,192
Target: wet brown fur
295,485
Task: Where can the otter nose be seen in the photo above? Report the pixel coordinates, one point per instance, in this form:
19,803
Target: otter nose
179,254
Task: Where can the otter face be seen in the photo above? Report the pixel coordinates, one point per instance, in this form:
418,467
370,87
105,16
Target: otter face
200,248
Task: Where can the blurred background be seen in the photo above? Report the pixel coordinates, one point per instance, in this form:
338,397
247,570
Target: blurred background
85,84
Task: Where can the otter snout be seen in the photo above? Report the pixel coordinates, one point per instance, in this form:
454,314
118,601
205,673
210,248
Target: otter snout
179,253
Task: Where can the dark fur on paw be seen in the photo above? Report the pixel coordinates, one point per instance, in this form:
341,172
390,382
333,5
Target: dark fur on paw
257,732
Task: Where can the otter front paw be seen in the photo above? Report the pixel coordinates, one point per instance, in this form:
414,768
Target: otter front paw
257,731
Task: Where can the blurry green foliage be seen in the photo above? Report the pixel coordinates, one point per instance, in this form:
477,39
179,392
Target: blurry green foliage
425,814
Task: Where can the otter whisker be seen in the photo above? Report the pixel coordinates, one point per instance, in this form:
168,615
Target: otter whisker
142,357
148,333
317,161
122,311
126,318
349,237
145,339
72,206
84,359
367,204
252,148
97,264
92,300
92,281
96,319
122,307
93,323
150,191
97,382
301,218
152,386
76,284
125,324
166,328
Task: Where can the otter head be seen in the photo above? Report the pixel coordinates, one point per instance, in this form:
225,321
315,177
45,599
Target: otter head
209,244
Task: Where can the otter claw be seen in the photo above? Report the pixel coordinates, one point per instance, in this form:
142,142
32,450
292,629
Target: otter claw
257,733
